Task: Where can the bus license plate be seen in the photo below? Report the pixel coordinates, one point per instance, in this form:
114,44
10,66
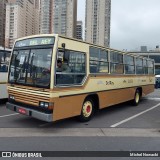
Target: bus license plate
22,111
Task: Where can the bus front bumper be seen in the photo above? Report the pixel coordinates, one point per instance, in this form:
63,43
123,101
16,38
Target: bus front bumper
30,112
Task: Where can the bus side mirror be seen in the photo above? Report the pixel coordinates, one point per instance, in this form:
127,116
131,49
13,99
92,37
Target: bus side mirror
65,55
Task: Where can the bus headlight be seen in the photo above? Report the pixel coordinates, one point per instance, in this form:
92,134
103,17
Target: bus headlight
44,104
11,97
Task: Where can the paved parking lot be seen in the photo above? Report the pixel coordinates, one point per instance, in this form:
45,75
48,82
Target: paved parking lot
118,128
146,115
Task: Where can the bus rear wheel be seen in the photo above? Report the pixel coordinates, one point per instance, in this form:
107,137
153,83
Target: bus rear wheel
87,111
137,97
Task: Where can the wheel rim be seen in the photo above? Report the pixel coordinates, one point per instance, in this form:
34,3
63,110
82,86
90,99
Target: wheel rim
87,109
137,97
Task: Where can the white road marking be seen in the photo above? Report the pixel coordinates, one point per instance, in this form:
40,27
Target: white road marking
152,98
9,115
130,118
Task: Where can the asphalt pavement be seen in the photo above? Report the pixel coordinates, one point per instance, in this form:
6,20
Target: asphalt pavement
118,128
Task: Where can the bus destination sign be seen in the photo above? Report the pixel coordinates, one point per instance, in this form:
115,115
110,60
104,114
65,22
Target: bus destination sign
35,42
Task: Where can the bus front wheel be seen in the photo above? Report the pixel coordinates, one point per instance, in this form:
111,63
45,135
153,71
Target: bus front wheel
87,111
137,97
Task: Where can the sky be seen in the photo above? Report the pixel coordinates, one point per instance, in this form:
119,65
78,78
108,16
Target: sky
134,23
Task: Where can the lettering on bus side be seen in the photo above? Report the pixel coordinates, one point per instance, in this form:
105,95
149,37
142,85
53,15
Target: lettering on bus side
109,83
130,81
150,79
124,81
143,80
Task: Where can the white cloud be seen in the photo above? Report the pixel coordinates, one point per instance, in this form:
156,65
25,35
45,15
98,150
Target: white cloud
135,23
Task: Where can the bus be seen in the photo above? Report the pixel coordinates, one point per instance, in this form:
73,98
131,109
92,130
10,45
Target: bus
98,77
4,63
157,81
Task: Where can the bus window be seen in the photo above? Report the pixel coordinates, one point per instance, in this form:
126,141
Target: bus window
150,67
139,66
98,60
145,66
31,67
129,64
116,63
72,69
39,67
103,63
94,59
4,61
3,68
18,61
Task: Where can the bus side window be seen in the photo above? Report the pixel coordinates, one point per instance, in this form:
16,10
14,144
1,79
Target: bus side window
62,64
3,68
72,70
98,60
116,62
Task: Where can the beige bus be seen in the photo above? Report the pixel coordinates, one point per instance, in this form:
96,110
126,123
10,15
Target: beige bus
52,77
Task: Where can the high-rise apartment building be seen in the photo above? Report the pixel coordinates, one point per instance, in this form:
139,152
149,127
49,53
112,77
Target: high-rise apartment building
37,4
36,16
45,14
22,19
59,16
79,30
98,15
2,21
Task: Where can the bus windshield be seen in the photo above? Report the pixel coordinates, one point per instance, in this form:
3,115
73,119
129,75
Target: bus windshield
31,67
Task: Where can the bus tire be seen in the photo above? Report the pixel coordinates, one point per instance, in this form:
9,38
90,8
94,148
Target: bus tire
137,97
87,111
